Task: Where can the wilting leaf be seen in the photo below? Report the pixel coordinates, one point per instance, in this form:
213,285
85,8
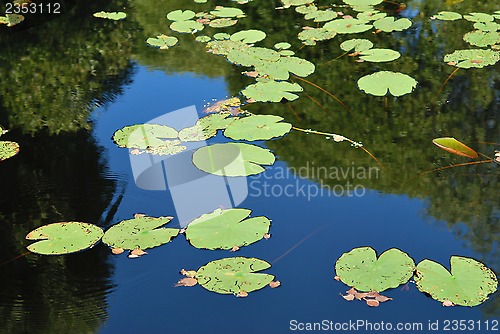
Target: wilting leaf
447,16
234,275
8,149
372,302
272,91
11,19
361,269
479,17
274,284
469,283
347,26
222,106
447,303
224,229
117,250
380,83
141,232
472,58
111,16
257,127
454,146
481,38
64,238
356,44
379,55
143,136
187,281
163,42
232,159
389,24
248,36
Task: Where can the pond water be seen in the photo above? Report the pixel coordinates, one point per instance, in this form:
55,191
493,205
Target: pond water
70,80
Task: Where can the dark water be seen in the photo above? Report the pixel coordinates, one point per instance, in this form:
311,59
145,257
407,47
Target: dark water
69,81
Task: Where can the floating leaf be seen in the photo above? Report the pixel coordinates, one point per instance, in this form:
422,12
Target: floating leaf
481,38
362,2
142,136
347,26
479,17
64,238
227,12
472,58
142,232
454,146
312,35
111,15
169,147
272,91
11,19
203,39
257,127
189,26
8,149
447,16
282,46
220,36
356,44
288,3
281,69
252,56
224,47
232,159
370,16
321,15
469,283
487,26
234,275
361,269
222,23
380,83
379,55
180,15
248,36
389,24
306,9
205,128
163,42
225,229
222,106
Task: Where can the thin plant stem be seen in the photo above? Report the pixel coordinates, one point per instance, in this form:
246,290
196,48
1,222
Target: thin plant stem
315,101
293,111
446,81
457,165
324,91
334,58
15,258
298,244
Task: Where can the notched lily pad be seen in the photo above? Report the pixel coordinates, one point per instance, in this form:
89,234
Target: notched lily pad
257,127
321,15
361,269
142,136
482,38
472,58
357,44
469,283
479,17
64,238
447,16
142,232
272,91
8,149
236,275
11,19
163,42
226,229
347,26
390,24
309,36
111,15
380,83
180,15
248,36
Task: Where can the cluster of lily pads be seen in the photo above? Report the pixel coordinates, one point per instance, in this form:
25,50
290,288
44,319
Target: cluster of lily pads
468,284
486,35
8,149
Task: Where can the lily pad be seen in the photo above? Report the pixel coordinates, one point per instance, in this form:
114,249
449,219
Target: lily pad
169,147
281,69
248,36
379,55
225,46
361,269
252,56
362,2
321,15
447,16
224,229
306,9
469,283
163,42
11,19
389,24
257,127
205,128
8,149
111,15
454,146
347,26
64,238
487,26
472,58
272,91
288,3
227,12
203,39
142,232
380,83
234,275
142,136
370,16
312,35
356,44
282,46
481,38
188,26
222,22
479,17
180,15
232,159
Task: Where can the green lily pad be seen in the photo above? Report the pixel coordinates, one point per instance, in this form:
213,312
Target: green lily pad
11,19
205,128
64,238
487,26
288,3
362,2
180,15
142,232
469,283
248,36
227,12
361,269
222,22
234,275
447,16
224,47
111,15
312,35
282,46
220,36
142,136
203,39
163,42
379,83
232,159
347,26
321,15
454,146
272,91
481,38
281,69
356,44
257,127
224,229
379,55
389,24
188,26
8,149
286,53
252,56
372,15
303,9
169,147
479,17
472,58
